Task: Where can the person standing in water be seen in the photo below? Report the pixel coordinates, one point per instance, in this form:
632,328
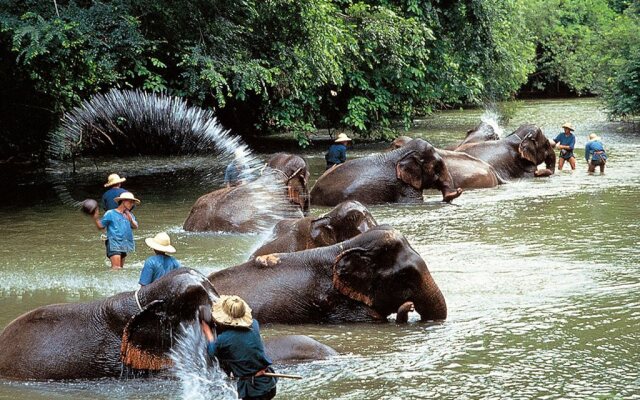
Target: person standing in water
566,142
119,224
337,153
114,182
595,154
158,265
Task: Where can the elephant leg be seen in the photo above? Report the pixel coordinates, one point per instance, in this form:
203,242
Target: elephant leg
402,315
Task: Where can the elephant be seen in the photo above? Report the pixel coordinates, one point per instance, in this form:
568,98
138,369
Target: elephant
239,209
297,348
128,334
518,154
483,132
397,176
363,279
346,220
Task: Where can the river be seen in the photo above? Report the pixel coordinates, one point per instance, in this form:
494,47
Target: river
541,277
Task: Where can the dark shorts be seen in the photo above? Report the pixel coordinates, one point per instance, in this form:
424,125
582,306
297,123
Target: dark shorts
566,154
111,253
267,396
598,162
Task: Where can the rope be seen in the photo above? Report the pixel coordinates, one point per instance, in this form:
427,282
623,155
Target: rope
135,294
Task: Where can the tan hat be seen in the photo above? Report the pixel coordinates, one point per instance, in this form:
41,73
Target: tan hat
593,136
126,196
161,242
232,311
568,126
342,138
114,179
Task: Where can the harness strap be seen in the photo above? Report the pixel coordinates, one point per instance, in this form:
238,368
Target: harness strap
135,294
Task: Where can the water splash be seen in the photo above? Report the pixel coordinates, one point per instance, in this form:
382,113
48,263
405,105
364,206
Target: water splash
492,118
199,378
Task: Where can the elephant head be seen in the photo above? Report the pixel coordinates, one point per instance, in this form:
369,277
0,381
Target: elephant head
293,171
535,147
381,270
399,142
346,220
421,167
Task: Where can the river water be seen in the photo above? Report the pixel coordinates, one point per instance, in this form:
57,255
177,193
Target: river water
541,277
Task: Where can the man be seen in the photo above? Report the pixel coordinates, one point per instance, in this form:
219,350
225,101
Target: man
158,265
566,142
595,154
114,182
119,223
239,348
337,153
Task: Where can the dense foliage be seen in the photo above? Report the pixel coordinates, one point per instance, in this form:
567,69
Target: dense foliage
296,66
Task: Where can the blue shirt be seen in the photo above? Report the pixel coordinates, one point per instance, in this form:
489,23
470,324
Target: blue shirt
119,232
241,352
591,148
108,202
337,154
155,267
566,141
232,174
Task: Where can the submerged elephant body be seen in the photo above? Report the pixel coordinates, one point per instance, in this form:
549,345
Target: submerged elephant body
398,176
469,172
346,220
363,279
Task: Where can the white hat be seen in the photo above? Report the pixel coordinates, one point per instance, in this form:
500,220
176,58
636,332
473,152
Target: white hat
342,138
114,179
126,196
593,136
568,126
232,311
161,242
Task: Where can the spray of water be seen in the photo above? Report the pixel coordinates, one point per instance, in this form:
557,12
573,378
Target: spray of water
200,378
491,118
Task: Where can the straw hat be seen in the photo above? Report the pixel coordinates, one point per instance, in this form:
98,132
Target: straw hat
114,179
342,138
161,242
593,136
126,196
232,311
568,125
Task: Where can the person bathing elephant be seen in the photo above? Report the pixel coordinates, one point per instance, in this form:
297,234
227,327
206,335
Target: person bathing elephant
517,155
133,330
363,279
346,220
397,176
237,209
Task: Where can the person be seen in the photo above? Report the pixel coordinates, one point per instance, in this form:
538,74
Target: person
232,173
566,141
239,348
595,154
119,223
158,265
114,183
337,153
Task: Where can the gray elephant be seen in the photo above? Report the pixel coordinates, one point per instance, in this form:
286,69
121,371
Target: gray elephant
238,209
397,176
483,132
346,220
363,279
128,334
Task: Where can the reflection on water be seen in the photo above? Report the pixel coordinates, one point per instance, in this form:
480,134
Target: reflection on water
540,277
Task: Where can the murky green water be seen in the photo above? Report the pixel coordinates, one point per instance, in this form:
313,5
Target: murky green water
541,277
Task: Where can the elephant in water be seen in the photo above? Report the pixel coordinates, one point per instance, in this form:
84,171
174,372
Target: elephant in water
238,209
483,132
363,279
123,335
517,155
346,220
397,176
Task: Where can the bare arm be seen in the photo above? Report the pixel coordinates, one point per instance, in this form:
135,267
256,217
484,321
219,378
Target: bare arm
132,221
96,219
206,329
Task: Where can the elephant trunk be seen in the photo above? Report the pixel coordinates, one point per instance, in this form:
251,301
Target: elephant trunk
430,303
446,185
550,160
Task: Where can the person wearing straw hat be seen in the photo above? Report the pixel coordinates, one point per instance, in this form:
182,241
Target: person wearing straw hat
566,141
114,183
158,265
595,154
119,224
239,348
337,153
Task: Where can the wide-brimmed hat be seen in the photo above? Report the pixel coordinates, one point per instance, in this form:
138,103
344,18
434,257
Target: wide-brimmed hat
232,311
126,196
342,138
568,126
114,179
161,242
593,136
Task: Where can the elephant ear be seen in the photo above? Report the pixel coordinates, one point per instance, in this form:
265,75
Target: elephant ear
147,338
409,171
322,232
352,276
527,148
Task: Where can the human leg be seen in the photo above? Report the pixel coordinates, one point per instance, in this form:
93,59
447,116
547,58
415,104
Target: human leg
572,162
591,168
602,164
560,163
